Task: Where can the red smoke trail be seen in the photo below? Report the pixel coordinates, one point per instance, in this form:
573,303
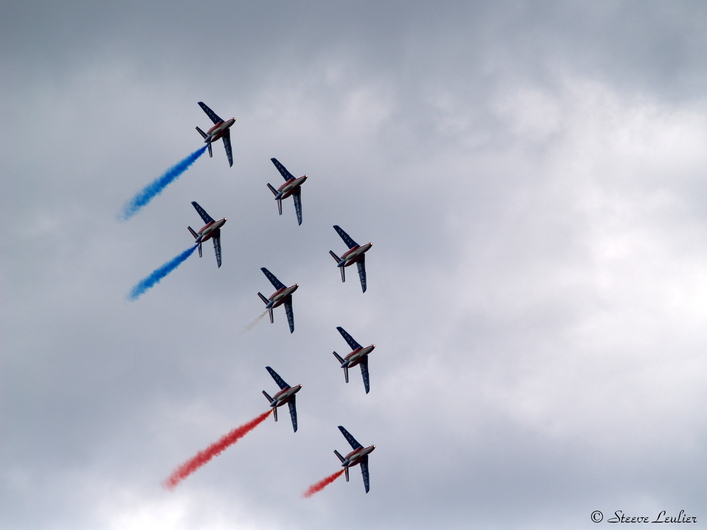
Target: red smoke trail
188,467
319,486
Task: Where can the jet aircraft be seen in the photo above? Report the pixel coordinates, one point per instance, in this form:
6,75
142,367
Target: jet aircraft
221,129
359,455
356,254
283,295
359,356
212,230
292,186
285,395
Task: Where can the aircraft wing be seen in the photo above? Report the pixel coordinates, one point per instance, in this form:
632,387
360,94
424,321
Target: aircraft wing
227,144
205,216
352,441
297,196
364,472
277,284
282,169
210,113
279,380
217,246
290,314
364,372
292,404
349,242
348,338
361,265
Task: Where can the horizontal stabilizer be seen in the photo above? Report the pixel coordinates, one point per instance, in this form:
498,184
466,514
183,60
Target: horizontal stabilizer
339,455
336,258
191,230
262,297
202,133
272,188
338,357
267,396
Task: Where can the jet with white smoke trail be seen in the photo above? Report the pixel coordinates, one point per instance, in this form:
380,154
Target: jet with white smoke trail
283,295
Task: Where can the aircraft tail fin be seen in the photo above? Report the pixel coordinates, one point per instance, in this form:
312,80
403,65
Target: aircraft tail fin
279,206
338,261
199,248
191,230
211,153
347,473
262,297
339,455
346,373
274,413
274,191
202,133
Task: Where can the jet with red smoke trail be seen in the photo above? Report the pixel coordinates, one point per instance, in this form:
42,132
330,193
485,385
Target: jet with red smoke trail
359,456
283,295
356,254
220,130
285,395
291,187
211,230
359,356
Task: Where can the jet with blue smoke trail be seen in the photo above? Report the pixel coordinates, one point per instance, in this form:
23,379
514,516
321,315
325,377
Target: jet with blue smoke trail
153,189
160,273
212,230
221,129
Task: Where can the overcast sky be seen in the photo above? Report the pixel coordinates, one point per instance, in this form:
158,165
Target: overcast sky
532,177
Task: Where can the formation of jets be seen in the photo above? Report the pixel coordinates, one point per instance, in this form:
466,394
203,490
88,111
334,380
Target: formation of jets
292,187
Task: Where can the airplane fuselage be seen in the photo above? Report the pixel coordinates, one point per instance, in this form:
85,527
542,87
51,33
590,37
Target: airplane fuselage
279,296
283,396
289,187
351,256
218,130
356,356
209,230
354,457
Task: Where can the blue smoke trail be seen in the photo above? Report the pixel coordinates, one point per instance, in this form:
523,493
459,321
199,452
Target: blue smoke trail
160,273
153,189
